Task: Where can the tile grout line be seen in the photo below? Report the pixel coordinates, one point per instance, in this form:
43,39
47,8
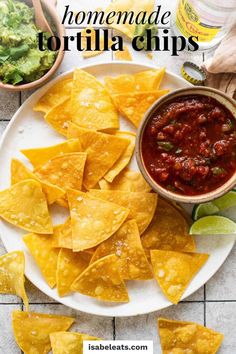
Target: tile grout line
114,328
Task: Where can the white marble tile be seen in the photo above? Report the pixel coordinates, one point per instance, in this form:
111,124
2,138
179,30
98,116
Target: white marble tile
7,341
197,296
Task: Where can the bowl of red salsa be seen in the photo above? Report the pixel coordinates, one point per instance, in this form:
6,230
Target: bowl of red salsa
186,145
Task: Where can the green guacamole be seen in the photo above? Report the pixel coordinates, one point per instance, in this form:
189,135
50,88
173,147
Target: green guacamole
20,59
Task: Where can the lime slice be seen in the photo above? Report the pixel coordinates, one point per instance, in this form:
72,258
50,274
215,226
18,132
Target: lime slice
213,225
227,201
203,210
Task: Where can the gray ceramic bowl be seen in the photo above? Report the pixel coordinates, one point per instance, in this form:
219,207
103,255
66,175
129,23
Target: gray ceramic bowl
220,97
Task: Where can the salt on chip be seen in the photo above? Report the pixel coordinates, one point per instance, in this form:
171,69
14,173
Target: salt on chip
134,105
127,180
69,266
93,220
149,80
92,35
185,337
32,330
126,245
123,54
24,205
42,249
69,342
59,117
40,156
168,230
91,105
20,172
57,94
12,280
175,270
142,205
102,280
65,171
124,159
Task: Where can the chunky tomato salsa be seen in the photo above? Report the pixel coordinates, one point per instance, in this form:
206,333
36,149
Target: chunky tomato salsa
189,145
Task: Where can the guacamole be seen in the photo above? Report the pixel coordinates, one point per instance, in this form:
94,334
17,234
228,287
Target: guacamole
20,59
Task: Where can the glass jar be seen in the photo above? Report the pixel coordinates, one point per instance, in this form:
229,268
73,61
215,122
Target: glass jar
210,20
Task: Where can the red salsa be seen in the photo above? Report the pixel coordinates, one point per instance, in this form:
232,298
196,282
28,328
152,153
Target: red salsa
189,145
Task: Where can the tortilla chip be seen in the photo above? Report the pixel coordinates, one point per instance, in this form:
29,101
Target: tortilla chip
168,230
24,205
59,117
123,54
91,105
12,280
149,80
124,83
126,245
32,330
65,171
57,94
40,156
134,105
93,220
45,256
142,205
127,180
102,280
20,172
124,159
128,6
69,266
183,337
63,235
69,342
89,54
175,270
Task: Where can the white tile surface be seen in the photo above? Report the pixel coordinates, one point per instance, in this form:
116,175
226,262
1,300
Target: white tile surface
7,342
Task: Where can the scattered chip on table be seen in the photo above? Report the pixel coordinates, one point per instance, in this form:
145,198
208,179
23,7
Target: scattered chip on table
175,270
69,266
91,105
24,205
126,245
39,156
142,205
93,220
59,117
69,342
123,54
102,280
32,330
19,172
168,230
42,249
12,279
187,337
92,35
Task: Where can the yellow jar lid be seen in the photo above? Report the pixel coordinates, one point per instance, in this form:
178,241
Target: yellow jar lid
193,73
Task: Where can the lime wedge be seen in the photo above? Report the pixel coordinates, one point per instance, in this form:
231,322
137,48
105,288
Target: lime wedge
213,225
226,201
203,210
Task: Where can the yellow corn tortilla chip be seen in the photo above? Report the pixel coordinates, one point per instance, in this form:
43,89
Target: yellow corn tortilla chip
63,235
59,116
142,205
123,54
103,151
128,6
89,54
175,270
69,266
134,105
20,172
185,337
168,230
65,171
12,280
40,156
24,205
126,245
127,180
102,280
32,330
45,256
54,96
93,220
149,80
69,342
91,105
124,83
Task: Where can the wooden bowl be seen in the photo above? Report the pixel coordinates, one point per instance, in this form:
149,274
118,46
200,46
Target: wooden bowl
49,8
221,98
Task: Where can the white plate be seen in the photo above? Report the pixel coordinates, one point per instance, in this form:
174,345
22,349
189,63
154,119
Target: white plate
28,129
